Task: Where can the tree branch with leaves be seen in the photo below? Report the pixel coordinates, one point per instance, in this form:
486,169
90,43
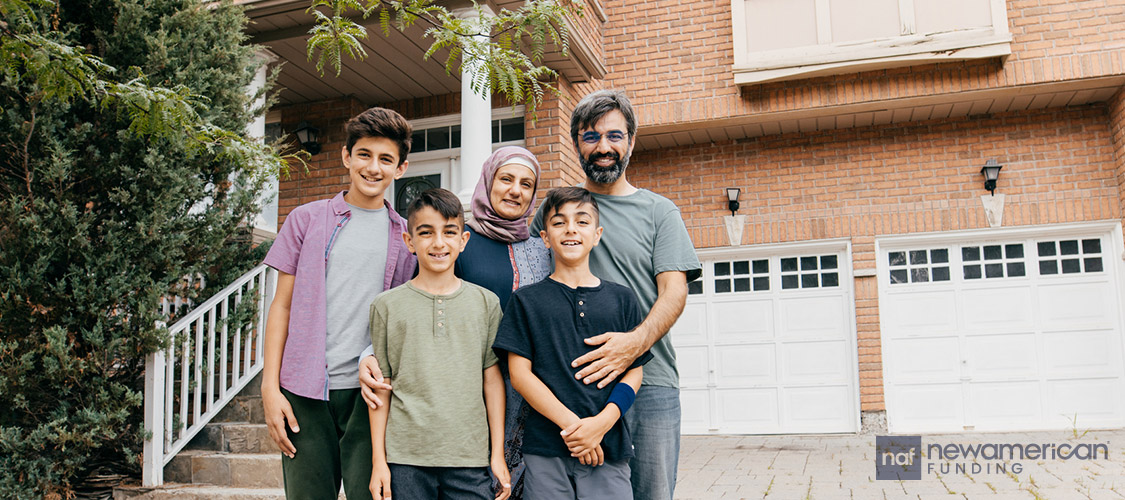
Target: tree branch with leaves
507,46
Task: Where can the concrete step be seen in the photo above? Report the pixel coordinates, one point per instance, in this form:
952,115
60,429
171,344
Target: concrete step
173,491
239,470
233,437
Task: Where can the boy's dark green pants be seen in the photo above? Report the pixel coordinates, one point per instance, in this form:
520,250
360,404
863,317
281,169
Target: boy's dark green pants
334,445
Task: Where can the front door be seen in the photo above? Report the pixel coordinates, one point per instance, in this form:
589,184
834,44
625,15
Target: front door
420,176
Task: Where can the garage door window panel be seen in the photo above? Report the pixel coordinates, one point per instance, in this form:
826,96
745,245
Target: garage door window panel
810,271
919,266
1070,256
741,276
695,287
993,261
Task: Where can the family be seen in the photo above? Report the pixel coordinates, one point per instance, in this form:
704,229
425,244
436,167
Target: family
508,356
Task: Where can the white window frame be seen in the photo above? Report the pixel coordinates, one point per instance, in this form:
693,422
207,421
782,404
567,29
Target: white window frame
455,119
910,48
451,170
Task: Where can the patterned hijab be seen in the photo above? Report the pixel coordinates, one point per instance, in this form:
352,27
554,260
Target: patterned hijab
485,219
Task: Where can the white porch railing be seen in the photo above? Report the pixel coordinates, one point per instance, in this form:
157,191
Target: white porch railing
215,350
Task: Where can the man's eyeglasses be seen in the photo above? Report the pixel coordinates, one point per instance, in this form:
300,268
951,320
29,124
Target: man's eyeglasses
614,136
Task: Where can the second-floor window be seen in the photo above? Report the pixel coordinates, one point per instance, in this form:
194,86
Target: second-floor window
785,39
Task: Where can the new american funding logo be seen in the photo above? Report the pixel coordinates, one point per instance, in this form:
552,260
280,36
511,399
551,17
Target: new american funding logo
899,458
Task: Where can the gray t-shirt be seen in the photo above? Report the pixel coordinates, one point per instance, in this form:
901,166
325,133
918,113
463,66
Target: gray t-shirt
357,263
644,236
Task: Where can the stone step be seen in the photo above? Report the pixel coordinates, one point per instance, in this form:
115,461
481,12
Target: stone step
246,406
233,437
239,470
254,388
243,408
174,491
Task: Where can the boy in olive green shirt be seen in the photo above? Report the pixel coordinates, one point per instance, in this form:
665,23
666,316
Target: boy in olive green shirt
433,337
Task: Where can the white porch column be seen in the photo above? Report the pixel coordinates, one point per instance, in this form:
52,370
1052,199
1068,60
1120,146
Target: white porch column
266,221
476,119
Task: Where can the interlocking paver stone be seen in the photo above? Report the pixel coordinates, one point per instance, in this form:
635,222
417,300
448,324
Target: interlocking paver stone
843,467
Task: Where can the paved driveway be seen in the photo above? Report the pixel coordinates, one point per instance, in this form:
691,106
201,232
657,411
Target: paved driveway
829,467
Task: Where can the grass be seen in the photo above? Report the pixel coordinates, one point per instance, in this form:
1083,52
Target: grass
1074,428
1012,475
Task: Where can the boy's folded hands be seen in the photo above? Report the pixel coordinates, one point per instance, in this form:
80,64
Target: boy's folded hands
583,438
594,457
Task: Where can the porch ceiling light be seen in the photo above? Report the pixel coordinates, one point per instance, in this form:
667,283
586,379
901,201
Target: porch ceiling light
307,135
991,172
732,199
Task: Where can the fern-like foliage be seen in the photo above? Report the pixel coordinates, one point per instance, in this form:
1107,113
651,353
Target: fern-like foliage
506,48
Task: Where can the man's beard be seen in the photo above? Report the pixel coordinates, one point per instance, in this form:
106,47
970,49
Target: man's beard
604,175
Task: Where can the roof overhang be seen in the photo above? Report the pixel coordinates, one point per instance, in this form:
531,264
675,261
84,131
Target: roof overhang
395,68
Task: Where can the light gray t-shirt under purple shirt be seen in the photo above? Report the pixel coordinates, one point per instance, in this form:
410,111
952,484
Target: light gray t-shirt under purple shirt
357,261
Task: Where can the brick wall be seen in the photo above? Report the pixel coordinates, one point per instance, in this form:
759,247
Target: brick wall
677,66
326,174
1117,133
548,136
1059,166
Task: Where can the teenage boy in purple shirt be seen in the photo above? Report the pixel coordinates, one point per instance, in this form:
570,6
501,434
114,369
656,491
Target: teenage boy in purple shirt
333,256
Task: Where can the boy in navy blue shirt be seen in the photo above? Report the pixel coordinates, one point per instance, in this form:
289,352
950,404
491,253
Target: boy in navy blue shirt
575,445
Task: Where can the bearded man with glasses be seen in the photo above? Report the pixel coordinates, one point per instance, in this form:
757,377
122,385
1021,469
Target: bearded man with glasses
645,246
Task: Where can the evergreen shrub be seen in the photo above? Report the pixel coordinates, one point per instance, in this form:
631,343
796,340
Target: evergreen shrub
124,167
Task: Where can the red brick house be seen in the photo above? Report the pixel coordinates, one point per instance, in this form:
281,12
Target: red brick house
868,272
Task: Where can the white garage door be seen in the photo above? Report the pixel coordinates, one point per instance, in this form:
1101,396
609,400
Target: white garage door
766,343
1018,330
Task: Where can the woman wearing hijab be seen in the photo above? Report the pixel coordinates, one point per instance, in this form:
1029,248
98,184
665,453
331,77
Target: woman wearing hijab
502,256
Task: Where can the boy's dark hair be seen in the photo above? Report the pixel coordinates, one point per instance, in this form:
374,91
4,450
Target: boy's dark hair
380,122
444,201
595,105
558,197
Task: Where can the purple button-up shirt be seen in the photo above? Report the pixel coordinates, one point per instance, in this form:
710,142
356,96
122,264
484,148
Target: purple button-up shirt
301,249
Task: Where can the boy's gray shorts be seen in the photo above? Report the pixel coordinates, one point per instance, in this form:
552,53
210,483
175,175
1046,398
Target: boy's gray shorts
553,478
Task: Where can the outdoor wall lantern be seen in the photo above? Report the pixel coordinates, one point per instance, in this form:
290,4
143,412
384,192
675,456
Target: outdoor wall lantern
991,172
732,199
307,136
